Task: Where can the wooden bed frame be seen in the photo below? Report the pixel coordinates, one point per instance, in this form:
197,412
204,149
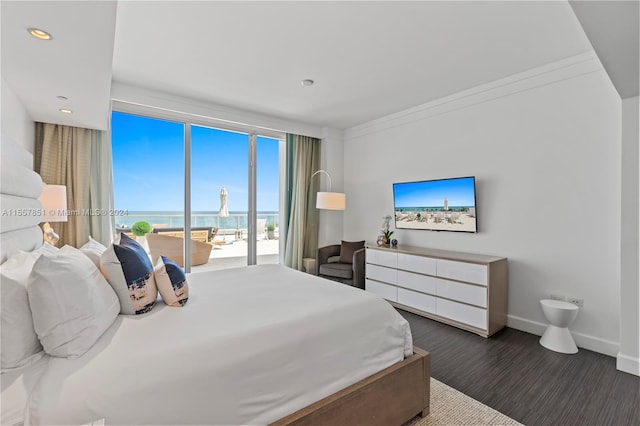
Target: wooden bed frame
391,397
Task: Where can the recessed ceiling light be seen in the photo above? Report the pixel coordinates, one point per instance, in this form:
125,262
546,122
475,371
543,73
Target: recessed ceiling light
41,34
62,98
66,111
307,82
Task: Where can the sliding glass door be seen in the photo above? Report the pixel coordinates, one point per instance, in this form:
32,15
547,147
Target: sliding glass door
267,193
225,183
220,193
148,173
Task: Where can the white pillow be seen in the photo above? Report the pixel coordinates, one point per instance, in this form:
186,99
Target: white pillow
46,248
71,302
93,249
20,344
127,267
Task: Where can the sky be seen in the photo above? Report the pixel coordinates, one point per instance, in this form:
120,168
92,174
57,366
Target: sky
148,166
459,192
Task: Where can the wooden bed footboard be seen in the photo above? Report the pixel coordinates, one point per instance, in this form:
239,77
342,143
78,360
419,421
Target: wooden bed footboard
390,397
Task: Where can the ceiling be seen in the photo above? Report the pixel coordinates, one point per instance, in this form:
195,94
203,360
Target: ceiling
76,63
368,59
614,33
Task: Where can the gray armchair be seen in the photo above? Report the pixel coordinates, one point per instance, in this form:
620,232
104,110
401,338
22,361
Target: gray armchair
343,263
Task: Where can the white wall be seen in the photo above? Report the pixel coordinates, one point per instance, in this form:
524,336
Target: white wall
332,161
628,357
16,125
544,146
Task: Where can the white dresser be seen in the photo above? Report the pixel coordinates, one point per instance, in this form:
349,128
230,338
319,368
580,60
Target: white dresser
465,290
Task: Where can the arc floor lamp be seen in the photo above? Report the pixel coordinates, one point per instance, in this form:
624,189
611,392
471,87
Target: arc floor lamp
330,200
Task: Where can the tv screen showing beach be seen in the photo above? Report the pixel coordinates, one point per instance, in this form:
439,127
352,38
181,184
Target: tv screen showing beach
436,205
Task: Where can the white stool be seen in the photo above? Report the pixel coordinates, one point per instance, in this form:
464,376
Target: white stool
557,336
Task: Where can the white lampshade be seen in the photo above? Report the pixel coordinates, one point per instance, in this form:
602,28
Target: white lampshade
331,201
54,203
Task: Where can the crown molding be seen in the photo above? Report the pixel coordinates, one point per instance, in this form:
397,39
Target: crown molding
575,66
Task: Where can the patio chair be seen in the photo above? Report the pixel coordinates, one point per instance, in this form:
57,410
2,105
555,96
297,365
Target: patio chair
172,247
200,233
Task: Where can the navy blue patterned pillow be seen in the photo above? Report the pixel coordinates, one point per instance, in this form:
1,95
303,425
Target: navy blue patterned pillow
171,282
129,271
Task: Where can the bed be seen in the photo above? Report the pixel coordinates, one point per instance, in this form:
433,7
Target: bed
254,345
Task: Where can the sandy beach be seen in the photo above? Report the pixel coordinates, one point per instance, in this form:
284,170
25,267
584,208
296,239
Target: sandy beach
441,221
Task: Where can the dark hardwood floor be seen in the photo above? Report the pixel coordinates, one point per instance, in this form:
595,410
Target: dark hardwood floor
512,373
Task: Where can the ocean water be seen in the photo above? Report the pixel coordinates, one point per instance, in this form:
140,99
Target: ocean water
235,220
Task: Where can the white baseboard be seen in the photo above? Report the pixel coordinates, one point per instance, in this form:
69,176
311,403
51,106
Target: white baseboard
628,364
585,341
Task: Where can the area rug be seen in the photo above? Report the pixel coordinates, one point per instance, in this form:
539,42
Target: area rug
451,407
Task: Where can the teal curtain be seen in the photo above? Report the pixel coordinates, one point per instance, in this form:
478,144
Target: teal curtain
301,215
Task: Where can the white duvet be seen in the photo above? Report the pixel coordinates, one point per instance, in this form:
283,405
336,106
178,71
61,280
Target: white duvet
252,345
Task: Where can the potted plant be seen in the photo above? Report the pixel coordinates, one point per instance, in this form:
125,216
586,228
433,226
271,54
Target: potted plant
385,238
270,231
140,229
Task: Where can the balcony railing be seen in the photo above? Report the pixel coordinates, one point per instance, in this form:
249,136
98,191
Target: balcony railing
235,222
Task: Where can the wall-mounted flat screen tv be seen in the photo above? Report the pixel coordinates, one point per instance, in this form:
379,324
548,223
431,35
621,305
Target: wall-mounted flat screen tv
436,205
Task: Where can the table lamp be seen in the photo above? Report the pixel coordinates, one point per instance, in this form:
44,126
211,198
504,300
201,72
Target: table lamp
54,206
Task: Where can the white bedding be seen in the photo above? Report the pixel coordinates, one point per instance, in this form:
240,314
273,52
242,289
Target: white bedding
16,387
252,345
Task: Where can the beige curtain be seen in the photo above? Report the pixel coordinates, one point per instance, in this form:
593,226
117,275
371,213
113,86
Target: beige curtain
75,157
303,159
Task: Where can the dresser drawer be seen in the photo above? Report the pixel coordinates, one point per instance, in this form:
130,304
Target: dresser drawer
424,302
381,273
466,293
476,317
469,272
423,265
383,258
386,291
422,283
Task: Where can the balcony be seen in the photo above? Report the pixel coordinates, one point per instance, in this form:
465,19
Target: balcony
229,245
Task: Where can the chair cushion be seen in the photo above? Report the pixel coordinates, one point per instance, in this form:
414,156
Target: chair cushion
347,248
340,270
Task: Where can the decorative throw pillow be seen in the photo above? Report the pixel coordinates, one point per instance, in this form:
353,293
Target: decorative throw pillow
171,281
20,344
93,249
347,249
129,270
71,302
